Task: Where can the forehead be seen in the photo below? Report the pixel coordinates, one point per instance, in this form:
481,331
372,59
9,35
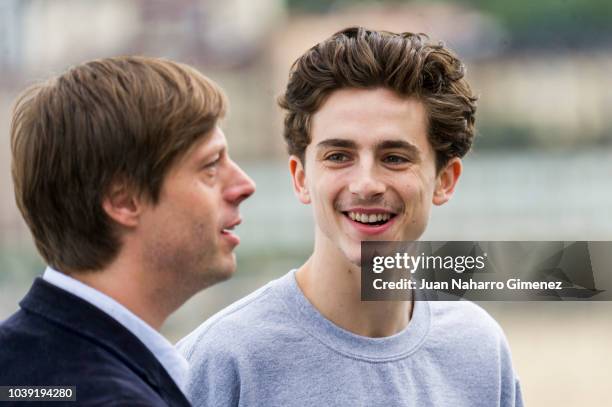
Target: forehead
212,141
369,116
205,146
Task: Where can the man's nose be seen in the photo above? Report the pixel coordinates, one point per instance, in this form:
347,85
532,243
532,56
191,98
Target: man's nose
365,183
240,185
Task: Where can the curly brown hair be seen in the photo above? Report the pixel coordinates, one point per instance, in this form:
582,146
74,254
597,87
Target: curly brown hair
405,63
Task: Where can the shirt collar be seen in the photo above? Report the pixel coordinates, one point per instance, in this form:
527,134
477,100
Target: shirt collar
174,363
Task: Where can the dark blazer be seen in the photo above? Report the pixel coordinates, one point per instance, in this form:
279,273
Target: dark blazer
58,339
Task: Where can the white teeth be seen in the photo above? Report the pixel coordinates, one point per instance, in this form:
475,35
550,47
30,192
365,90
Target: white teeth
369,218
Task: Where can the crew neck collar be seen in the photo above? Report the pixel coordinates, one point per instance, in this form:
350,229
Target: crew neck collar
389,348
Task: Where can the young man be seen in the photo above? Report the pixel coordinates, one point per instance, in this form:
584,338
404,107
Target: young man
376,125
123,177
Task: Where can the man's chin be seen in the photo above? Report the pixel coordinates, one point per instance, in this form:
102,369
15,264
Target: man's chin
228,269
354,257
219,272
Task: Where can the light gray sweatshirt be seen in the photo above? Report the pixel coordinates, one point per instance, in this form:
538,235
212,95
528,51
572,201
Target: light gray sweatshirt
273,348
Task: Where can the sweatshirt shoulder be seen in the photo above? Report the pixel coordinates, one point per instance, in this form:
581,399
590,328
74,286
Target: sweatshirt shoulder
237,324
466,319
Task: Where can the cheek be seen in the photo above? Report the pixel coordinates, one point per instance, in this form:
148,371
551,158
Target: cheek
425,182
321,200
326,188
416,194
204,199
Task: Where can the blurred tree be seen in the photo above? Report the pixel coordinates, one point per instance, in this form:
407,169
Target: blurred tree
531,24
322,6
552,23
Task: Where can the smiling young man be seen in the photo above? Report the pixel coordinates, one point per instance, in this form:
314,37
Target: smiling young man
376,126
123,176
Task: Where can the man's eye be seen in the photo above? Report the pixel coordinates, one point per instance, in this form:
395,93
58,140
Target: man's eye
211,165
337,157
395,159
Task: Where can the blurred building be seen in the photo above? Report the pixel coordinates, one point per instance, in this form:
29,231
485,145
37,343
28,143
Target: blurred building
41,35
226,40
529,97
10,34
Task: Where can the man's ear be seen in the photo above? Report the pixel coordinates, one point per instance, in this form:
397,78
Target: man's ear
446,181
123,204
298,176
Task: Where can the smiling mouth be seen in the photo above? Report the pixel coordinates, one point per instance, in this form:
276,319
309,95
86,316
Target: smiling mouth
370,219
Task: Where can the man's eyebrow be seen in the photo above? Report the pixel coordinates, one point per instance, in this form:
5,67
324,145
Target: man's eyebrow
204,157
389,144
399,144
337,142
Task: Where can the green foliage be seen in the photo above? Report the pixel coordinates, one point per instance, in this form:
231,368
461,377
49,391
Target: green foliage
516,15
505,138
322,6
525,14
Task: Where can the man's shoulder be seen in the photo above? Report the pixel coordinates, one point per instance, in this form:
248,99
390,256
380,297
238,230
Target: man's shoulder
25,335
260,318
45,344
464,323
40,352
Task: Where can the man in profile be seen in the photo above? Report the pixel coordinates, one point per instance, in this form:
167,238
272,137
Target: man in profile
376,126
123,176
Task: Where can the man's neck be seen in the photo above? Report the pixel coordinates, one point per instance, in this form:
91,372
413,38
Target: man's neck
135,289
333,285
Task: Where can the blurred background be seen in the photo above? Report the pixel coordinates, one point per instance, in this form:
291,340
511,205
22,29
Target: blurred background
541,167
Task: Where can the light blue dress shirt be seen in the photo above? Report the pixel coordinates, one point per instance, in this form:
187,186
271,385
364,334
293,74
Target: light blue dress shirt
174,363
